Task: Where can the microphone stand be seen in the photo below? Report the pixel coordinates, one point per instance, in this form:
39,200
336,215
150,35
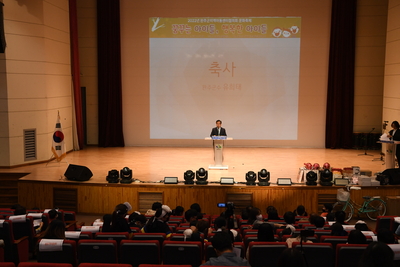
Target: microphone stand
366,144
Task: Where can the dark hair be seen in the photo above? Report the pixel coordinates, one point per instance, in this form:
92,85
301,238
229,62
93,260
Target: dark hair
328,207
202,226
134,217
340,216
396,123
119,212
356,237
253,215
196,206
319,222
361,226
218,121
53,214
265,233
337,230
19,210
156,206
386,236
330,217
377,254
291,257
190,214
289,217
178,211
300,211
222,241
272,213
287,231
220,222
55,230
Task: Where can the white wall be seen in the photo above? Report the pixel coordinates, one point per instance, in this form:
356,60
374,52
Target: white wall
38,76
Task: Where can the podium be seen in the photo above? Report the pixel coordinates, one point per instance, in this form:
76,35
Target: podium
390,153
218,146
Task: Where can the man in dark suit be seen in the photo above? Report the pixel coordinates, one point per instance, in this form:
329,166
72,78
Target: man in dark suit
395,136
218,130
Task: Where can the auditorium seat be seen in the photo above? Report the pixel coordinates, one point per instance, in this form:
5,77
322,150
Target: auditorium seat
86,264
348,255
117,236
333,240
76,237
317,253
386,222
97,251
180,230
24,228
163,265
8,264
265,253
249,232
137,252
149,236
187,253
15,250
43,264
66,255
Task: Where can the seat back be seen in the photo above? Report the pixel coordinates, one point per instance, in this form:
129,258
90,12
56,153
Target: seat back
43,264
187,253
104,265
149,236
67,255
348,255
14,250
265,253
316,253
135,252
24,228
97,251
117,236
385,222
333,240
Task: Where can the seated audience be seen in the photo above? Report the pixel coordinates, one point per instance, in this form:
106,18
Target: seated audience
178,211
291,257
326,209
254,216
377,254
118,222
220,224
19,210
272,213
55,230
137,220
361,225
319,222
294,237
154,207
386,236
356,237
340,217
158,223
337,230
191,215
300,211
265,234
222,243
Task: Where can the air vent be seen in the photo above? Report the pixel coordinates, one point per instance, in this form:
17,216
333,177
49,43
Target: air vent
30,144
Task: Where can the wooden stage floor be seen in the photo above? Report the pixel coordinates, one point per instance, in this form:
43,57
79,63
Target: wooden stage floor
152,164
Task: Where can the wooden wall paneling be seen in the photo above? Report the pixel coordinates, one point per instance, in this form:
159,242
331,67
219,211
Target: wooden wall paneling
240,200
65,198
146,200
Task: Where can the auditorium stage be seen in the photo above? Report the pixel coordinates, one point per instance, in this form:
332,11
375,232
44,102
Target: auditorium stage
45,187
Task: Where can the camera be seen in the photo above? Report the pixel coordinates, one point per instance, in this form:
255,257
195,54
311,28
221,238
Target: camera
228,205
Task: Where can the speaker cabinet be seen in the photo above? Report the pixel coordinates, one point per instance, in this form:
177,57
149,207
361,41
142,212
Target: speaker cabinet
78,173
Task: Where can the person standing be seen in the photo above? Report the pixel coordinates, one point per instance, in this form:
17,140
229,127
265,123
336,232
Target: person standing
395,136
218,131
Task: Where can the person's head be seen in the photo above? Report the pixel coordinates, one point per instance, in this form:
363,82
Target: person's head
377,254
222,242
327,207
287,231
202,225
361,225
19,210
53,214
319,222
340,216
220,222
395,125
245,215
312,217
386,236
272,213
156,206
356,237
196,206
271,208
291,257
121,210
265,233
138,219
218,123
289,217
190,215
55,230
178,211
163,213
300,210
337,230
253,214
330,217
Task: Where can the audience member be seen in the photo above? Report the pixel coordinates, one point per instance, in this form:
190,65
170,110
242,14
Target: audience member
158,223
291,257
19,210
386,236
377,254
340,217
294,237
53,214
220,224
118,222
356,237
190,215
55,230
312,217
254,215
196,206
265,234
319,222
326,209
154,208
137,220
272,214
178,211
222,243
300,211
361,225
337,230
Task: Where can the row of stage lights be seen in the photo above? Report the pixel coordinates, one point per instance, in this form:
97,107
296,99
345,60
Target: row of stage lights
124,176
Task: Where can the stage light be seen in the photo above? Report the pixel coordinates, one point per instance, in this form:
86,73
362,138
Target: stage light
263,178
251,178
326,178
113,177
311,178
126,175
189,177
201,176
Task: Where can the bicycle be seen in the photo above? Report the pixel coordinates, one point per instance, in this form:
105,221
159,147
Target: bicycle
372,206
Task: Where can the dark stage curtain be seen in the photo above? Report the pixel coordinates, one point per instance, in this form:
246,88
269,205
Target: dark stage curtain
75,71
109,74
340,98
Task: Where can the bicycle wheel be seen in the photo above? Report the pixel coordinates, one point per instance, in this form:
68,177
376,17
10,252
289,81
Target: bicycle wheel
346,207
375,208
